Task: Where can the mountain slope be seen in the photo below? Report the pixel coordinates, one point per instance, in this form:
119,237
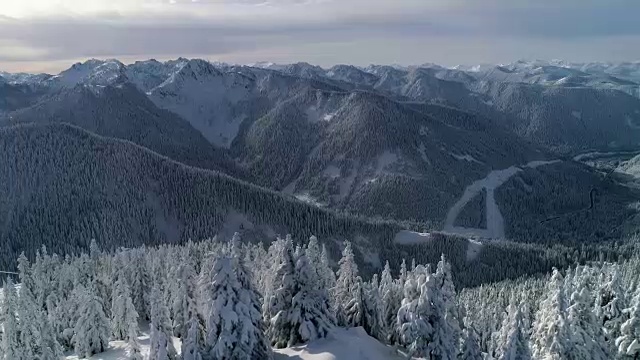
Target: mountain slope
365,153
123,112
62,186
214,102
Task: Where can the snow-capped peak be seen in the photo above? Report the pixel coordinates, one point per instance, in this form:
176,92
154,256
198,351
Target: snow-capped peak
91,72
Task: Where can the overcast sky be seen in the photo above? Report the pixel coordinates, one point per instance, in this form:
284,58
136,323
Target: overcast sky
49,35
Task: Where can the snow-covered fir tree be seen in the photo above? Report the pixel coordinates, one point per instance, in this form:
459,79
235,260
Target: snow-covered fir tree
11,344
161,347
346,283
550,336
587,338
389,304
628,343
299,310
91,334
122,311
192,343
512,342
183,296
448,292
421,320
470,344
133,349
613,302
234,326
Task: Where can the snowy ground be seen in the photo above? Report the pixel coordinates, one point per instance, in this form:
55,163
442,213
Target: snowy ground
347,344
495,221
117,348
406,237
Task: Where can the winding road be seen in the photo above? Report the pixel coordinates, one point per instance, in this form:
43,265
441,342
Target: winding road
495,221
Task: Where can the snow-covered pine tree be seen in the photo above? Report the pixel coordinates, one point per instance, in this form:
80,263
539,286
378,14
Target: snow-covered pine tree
11,345
122,311
389,304
38,339
133,345
403,272
161,342
345,283
550,336
448,291
354,311
282,289
309,315
628,343
184,295
373,315
327,275
91,333
234,327
613,303
587,338
192,344
470,345
422,324
512,342
140,283
312,251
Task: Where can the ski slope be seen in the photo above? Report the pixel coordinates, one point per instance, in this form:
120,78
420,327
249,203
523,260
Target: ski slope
495,221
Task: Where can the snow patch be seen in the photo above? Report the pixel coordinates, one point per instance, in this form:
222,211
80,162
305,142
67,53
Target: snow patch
466,157
341,344
306,197
576,114
332,171
473,249
406,237
423,153
631,123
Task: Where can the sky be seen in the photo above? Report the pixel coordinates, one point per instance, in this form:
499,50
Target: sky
50,35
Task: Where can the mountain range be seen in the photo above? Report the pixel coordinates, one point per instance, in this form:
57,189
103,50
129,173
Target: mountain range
377,145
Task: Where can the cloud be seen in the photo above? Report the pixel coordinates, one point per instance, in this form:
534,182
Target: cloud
320,31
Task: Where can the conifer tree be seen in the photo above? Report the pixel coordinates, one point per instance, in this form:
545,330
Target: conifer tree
345,283
389,304
587,338
192,345
234,327
512,342
628,343
550,336
161,343
10,327
613,303
328,277
470,347
447,290
133,345
91,333
123,312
